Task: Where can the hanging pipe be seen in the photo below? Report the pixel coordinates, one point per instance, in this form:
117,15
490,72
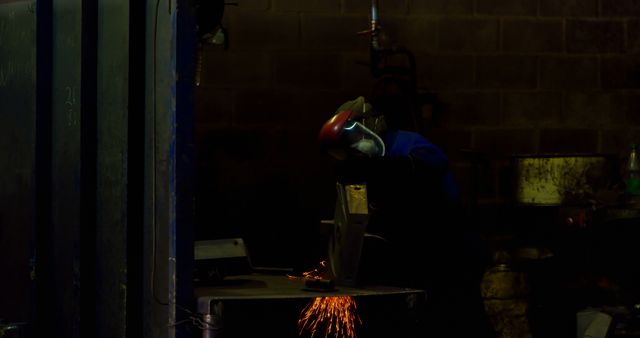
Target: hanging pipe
375,45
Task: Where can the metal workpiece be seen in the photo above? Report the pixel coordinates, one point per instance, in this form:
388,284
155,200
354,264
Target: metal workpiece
346,239
559,179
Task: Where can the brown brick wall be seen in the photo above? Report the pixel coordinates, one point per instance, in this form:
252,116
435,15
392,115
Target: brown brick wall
569,8
595,36
467,34
512,76
507,7
532,35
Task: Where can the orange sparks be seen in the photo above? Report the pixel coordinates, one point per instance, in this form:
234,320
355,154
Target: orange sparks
337,316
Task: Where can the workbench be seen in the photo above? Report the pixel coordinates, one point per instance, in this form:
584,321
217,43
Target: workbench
272,291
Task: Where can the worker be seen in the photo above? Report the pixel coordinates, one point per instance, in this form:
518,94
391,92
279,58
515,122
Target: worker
415,238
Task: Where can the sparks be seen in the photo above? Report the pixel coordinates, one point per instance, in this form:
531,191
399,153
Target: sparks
337,316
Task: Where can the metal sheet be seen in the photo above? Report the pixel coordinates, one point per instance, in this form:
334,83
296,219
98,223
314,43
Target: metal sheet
557,179
283,287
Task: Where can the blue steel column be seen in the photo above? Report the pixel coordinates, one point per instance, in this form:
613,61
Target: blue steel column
168,243
157,203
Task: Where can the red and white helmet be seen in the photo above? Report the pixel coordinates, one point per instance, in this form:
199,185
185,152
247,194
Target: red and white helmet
343,136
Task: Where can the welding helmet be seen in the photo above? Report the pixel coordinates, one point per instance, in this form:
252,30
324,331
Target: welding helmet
344,135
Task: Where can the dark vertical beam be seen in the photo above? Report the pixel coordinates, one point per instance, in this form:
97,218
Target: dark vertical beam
44,300
88,168
17,119
66,177
112,98
44,304
135,174
17,167
81,174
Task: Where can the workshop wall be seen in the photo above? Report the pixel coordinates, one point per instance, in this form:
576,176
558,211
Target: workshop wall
516,76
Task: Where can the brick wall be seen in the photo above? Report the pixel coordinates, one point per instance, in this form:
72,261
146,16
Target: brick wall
513,76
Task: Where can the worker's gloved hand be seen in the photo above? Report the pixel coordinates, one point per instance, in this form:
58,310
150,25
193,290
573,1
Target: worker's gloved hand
389,176
378,169
357,169
391,168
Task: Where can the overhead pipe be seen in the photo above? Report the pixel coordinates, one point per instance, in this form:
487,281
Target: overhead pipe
378,53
